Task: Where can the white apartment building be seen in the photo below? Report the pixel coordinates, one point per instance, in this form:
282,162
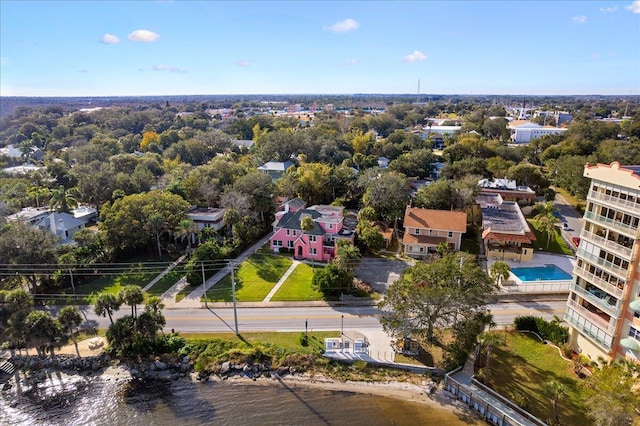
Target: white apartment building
525,132
603,308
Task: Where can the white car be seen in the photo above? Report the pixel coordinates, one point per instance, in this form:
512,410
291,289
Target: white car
565,226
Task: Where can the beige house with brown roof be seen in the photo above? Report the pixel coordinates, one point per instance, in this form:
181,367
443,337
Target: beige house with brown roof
425,230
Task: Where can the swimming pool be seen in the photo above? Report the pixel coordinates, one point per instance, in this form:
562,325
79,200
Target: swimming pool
541,273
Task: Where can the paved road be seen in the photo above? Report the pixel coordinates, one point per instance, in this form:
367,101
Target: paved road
318,318
570,215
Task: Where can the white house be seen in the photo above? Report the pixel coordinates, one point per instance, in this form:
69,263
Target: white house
205,217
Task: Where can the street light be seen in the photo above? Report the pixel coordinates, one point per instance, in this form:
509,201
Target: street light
342,326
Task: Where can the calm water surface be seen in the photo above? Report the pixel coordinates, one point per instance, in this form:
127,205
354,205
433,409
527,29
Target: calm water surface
96,401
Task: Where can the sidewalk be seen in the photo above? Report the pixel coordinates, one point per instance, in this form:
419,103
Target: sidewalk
281,281
193,299
163,273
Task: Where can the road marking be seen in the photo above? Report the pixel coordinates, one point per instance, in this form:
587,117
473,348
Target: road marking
229,315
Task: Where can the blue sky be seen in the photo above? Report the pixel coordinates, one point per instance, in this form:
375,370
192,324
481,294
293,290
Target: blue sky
92,48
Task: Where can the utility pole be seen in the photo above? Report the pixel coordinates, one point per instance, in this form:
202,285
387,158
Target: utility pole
72,286
233,293
204,285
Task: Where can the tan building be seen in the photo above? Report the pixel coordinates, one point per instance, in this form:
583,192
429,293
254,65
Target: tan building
425,230
603,308
505,232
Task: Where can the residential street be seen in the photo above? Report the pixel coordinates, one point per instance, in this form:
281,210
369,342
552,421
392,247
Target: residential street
292,318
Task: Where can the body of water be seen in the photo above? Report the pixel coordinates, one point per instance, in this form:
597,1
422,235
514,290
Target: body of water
68,401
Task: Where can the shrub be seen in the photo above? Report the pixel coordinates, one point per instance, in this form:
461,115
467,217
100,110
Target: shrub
547,330
304,339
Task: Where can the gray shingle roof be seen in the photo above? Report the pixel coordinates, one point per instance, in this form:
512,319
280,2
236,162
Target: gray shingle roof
292,220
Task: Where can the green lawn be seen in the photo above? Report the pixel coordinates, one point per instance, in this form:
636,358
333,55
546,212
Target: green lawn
167,281
521,367
289,341
556,245
254,279
298,286
140,272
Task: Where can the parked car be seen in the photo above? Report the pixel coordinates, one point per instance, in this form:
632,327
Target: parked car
576,241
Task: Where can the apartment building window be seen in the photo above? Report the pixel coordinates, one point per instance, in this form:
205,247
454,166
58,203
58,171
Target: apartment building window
450,234
313,251
288,232
633,332
313,238
290,244
417,231
277,243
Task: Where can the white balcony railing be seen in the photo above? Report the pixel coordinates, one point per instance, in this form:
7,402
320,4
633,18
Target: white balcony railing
601,303
599,282
608,326
604,264
630,206
605,243
628,230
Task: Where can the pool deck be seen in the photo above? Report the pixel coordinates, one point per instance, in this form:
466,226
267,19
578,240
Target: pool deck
566,263
515,285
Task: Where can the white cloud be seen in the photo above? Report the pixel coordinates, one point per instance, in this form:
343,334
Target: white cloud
349,62
83,70
634,7
110,39
415,56
143,35
579,19
243,63
4,60
609,9
596,55
343,26
168,68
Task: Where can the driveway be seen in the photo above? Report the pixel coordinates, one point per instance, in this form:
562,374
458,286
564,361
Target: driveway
379,272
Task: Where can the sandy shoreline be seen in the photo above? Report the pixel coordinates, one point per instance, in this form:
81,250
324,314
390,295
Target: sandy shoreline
403,391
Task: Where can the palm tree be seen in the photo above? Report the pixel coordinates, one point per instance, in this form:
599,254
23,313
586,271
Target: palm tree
546,218
186,229
347,256
69,317
107,304
62,200
554,390
489,340
499,271
131,295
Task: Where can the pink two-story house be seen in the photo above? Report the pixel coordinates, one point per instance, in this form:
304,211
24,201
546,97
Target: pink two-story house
317,244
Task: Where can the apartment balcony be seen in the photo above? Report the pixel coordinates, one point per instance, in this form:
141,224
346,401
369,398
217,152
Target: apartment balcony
600,299
604,264
600,319
599,282
613,246
628,230
587,328
629,206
